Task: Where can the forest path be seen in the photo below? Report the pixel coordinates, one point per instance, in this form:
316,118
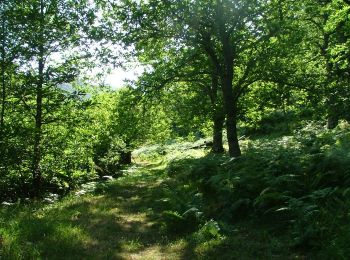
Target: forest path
126,221
126,218
121,220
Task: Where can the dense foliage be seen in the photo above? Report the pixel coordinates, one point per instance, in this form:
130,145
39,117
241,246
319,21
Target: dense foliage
296,184
268,81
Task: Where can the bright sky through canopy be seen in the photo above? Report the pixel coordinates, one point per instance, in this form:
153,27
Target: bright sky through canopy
117,76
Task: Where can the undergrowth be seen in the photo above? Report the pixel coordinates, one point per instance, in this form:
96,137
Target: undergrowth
296,185
285,198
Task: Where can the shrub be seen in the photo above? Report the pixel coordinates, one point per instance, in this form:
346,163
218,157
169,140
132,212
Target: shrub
296,183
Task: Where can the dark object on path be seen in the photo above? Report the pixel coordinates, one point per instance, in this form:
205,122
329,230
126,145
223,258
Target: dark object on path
206,144
125,158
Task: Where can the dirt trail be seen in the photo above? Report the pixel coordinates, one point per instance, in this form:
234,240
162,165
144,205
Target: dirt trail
125,219
125,222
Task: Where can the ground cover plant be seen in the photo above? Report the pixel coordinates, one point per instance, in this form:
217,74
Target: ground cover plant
296,185
277,201
156,129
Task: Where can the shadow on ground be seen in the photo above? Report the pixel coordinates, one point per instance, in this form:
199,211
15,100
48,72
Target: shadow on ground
122,221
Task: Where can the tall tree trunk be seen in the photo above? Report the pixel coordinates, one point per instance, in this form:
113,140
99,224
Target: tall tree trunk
230,101
332,115
226,74
332,122
231,119
3,80
218,115
37,174
218,121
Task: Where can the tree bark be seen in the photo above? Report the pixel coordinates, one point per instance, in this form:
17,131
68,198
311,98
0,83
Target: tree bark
332,122
231,119
217,134
331,101
218,116
37,174
332,114
226,74
3,80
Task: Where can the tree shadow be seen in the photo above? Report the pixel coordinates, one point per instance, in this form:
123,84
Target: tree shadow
122,221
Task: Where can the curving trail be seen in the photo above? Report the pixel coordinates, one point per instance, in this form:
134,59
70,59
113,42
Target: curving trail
122,220
126,221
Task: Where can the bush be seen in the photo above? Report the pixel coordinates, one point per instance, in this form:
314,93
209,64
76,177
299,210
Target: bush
182,223
297,183
107,155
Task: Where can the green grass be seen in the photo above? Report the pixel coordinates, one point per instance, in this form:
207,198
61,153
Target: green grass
187,204
123,219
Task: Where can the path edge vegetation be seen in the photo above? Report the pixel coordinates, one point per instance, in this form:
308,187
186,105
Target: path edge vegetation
266,81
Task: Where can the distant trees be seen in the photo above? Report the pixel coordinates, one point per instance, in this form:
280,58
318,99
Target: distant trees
123,123
297,46
210,64
187,77
232,36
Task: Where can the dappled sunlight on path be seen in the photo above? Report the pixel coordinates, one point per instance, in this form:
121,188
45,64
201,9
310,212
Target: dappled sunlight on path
124,221
137,216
